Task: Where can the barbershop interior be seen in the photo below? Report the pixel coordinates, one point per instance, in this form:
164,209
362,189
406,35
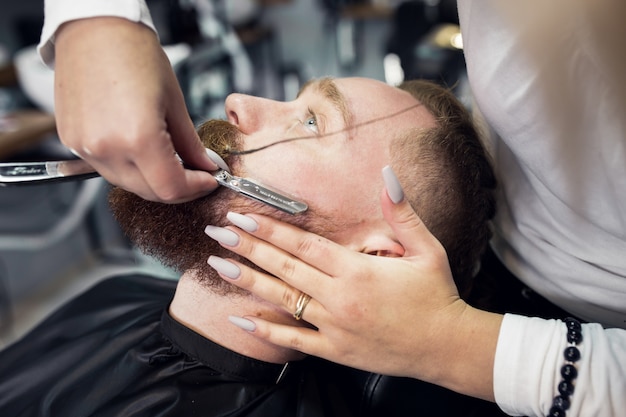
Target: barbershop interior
57,237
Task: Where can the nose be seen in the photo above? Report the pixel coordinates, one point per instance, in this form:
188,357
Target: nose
249,113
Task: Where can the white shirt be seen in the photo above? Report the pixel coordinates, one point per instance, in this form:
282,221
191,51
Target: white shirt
58,12
550,80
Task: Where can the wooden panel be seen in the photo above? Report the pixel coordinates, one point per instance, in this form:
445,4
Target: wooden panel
23,129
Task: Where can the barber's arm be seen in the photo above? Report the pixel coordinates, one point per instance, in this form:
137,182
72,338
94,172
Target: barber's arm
415,326
118,104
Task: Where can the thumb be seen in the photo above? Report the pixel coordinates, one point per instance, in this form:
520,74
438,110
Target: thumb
183,134
412,233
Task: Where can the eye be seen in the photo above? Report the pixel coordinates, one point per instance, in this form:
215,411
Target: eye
311,122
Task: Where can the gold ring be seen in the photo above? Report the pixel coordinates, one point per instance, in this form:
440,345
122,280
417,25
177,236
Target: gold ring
303,300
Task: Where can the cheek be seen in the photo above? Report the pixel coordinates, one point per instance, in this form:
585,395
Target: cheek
319,177
285,172
293,167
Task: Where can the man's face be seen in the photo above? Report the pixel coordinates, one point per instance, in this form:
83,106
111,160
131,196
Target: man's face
338,175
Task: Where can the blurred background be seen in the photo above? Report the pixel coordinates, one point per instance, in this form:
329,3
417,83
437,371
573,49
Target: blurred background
58,239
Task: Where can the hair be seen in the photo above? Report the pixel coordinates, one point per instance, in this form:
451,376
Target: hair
448,178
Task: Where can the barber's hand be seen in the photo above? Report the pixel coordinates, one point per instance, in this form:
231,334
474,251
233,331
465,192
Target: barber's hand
119,106
397,316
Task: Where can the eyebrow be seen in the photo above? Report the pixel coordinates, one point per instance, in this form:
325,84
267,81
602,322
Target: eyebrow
328,88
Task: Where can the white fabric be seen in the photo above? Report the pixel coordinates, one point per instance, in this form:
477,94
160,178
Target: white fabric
549,77
58,12
529,359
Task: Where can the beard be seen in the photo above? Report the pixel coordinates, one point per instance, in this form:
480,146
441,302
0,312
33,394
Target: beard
174,233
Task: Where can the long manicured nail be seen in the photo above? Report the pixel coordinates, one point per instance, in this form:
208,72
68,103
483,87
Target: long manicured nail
242,323
225,236
394,189
246,223
213,156
221,265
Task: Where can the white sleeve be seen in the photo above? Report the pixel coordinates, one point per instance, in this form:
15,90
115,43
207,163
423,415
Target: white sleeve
528,362
58,12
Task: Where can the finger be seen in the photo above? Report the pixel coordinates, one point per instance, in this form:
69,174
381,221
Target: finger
131,180
305,248
123,173
278,263
183,134
302,339
153,174
166,177
263,285
267,287
408,227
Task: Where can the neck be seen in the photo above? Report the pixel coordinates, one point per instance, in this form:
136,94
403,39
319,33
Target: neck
205,312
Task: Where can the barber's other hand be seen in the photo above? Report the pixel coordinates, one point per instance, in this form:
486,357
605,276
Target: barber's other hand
119,106
396,316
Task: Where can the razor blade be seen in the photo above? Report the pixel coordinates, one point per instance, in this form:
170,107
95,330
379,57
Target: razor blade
255,191
23,173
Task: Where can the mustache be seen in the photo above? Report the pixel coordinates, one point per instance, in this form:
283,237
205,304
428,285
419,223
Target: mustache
220,136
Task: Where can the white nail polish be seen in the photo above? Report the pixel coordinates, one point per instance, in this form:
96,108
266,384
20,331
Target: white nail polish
225,236
246,223
228,269
213,156
394,189
242,323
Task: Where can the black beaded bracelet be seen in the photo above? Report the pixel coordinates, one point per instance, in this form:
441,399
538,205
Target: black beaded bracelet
561,402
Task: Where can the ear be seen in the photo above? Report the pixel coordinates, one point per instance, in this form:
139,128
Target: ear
383,244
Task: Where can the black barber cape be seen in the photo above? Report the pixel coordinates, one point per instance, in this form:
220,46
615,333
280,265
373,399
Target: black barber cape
115,351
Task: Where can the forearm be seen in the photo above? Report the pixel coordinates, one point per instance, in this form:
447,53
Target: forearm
516,361
58,12
464,359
